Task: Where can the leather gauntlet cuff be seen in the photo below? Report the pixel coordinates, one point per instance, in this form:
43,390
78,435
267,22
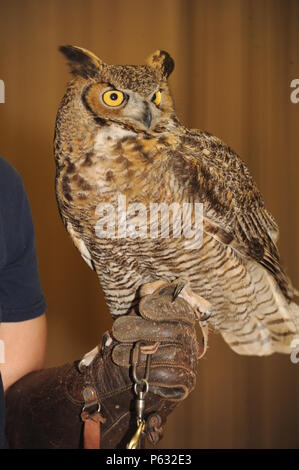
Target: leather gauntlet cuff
44,408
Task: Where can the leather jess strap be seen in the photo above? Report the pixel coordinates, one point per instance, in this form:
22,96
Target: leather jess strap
91,418
92,430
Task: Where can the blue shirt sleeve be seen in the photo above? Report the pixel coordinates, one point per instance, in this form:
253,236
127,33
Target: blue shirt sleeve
21,296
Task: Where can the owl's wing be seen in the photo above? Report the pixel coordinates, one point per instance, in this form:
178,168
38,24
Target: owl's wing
234,211
80,245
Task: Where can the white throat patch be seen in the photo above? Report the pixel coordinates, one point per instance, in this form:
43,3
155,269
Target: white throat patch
110,135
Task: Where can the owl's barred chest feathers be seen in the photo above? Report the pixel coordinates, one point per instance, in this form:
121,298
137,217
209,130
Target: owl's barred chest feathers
144,169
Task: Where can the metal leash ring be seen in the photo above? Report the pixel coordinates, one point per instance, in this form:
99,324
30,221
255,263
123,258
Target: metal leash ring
144,384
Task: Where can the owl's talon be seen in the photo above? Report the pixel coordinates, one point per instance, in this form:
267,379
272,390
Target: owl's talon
204,316
201,306
178,289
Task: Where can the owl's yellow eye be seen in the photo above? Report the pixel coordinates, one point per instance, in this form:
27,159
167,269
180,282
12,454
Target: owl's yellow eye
113,98
157,98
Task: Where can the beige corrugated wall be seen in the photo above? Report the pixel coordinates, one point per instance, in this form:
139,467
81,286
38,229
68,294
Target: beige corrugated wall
235,60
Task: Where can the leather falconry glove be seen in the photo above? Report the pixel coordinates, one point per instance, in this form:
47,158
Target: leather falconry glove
44,408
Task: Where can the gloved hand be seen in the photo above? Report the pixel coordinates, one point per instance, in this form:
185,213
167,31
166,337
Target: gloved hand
44,408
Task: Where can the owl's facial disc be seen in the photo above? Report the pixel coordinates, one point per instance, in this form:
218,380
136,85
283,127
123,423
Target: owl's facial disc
123,106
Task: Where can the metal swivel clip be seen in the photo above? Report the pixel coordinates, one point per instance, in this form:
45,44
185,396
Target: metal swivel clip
141,387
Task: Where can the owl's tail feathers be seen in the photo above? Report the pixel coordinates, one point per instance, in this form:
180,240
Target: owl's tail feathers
290,335
269,329
296,292
294,313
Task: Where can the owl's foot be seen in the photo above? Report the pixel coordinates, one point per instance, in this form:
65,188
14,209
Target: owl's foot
180,288
151,287
201,306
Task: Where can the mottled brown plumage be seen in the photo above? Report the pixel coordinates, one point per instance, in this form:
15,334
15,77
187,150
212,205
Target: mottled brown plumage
140,149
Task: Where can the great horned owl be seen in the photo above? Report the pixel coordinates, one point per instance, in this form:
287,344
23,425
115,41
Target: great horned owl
117,133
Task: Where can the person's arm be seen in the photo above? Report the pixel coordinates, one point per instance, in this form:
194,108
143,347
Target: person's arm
22,305
25,348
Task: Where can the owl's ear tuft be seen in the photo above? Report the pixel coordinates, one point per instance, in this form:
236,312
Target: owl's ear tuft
82,62
162,61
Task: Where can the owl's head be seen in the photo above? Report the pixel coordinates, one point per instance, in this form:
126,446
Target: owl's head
134,96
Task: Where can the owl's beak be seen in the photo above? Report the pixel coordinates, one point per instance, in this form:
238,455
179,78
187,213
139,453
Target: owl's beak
147,118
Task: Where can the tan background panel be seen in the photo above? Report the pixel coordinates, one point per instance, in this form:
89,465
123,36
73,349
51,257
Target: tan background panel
235,60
